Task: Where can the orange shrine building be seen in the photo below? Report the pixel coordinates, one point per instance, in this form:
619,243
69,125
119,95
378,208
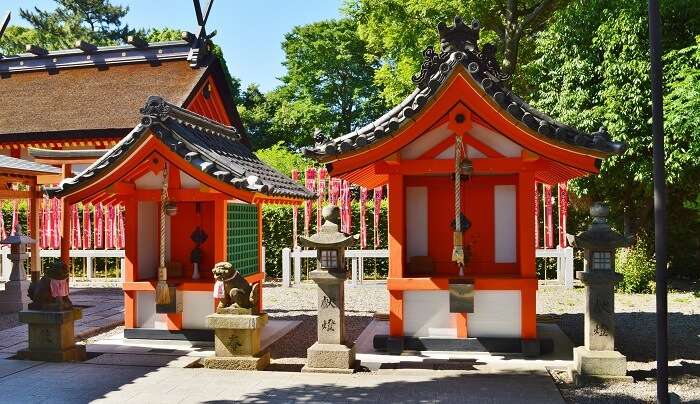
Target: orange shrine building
206,178
461,118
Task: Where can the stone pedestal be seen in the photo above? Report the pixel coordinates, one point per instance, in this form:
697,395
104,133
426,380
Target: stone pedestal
237,341
14,298
51,336
597,359
331,353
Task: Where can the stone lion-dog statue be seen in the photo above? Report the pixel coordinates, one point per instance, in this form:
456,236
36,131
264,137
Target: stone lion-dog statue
235,294
50,293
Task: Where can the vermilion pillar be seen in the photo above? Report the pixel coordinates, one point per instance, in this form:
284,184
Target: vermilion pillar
397,232
526,253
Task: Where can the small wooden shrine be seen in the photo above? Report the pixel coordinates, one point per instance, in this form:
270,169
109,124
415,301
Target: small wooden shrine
461,156
193,192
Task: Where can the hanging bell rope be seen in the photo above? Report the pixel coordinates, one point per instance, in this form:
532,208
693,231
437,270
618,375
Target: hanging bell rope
162,289
457,241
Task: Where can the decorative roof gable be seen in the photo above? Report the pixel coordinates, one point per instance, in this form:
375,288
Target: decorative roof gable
459,47
215,149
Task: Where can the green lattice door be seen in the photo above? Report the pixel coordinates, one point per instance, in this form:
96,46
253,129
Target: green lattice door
242,237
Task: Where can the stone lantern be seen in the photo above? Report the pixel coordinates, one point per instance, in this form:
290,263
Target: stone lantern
597,359
15,297
331,353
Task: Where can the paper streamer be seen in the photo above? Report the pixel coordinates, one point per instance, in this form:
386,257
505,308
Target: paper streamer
563,211
363,217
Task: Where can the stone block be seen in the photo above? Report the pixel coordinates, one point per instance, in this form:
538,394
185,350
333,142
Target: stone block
52,335
329,356
257,362
14,298
598,365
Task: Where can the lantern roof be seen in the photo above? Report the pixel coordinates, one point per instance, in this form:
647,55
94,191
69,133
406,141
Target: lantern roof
599,236
18,238
459,48
329,235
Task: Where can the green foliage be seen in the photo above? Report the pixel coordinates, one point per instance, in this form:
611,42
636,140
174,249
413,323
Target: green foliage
591,67
397,31
163,35
283,159
637,266
277,234
328,86
96,21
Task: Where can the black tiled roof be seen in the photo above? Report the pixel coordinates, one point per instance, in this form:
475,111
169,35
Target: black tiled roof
459,46
215,149
38,153
8,163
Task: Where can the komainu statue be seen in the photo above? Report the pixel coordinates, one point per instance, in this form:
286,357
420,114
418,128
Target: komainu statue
50,293
236,295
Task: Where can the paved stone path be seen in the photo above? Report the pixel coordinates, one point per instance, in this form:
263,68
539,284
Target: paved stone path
103,309
37,382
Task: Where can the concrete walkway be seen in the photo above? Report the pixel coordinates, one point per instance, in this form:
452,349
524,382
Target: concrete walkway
103,309
38,382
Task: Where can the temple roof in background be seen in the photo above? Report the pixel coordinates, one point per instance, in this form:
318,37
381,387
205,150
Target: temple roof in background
97,91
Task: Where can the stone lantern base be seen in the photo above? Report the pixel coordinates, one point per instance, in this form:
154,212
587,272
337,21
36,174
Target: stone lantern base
330,358
51,336
598,365
237,340
14,298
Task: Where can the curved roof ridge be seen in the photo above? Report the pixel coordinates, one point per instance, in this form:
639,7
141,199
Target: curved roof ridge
459,47
215,149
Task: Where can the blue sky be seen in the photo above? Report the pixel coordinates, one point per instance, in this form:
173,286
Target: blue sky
249,31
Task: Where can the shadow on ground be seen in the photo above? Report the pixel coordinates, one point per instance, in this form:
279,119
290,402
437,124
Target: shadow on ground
524,388
636,334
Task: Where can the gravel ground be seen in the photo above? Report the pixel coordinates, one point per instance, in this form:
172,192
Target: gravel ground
299,303
635,324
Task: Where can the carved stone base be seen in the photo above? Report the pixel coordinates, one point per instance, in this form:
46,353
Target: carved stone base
598,365
330,358
52,335
258,362
237,341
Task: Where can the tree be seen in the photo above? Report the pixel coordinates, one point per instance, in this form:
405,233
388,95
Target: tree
397,31
591,67
328,85
95,21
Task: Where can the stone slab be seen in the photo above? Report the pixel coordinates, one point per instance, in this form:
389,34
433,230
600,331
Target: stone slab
258,362
330,356
155,360
75,353
308,369
599,363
